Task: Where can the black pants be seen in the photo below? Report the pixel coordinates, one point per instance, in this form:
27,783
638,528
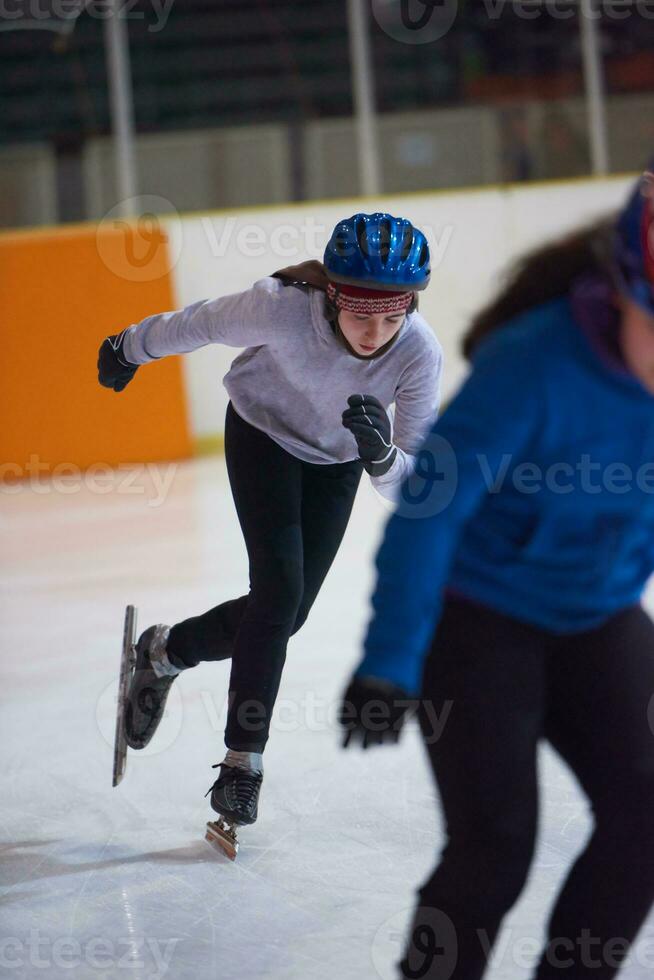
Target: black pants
508,685
293,516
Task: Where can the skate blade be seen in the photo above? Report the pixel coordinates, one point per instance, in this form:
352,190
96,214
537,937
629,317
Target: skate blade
127,663
222,835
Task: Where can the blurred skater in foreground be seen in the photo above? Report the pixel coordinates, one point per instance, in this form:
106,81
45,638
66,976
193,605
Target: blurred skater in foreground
509,595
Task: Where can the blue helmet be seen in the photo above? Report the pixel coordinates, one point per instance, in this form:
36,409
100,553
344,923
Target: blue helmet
634,243
379,251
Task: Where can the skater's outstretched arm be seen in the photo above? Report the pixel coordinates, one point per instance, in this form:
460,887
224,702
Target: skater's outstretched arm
257,316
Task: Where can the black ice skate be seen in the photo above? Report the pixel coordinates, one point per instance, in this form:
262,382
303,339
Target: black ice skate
235,796
146,675
151,681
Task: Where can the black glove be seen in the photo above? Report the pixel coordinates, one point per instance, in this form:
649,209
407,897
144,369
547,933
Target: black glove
368,421
374,711
114,370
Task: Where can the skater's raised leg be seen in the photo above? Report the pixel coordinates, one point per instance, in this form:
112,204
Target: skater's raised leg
327,497
269,513
209,636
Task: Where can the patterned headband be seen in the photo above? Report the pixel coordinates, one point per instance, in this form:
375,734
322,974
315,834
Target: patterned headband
358,299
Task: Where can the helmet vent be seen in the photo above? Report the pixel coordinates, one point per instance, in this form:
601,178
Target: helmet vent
424,255
340,245
407,242
362,237
384,240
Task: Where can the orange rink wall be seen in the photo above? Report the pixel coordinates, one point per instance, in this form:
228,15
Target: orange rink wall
62,291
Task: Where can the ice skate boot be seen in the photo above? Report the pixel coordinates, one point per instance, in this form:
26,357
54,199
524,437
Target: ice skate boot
150,683
235,797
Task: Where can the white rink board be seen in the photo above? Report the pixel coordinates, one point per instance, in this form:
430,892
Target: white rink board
473,235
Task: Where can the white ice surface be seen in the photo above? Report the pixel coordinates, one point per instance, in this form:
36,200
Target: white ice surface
100,882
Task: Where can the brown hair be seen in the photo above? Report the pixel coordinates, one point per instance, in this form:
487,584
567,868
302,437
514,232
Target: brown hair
543,275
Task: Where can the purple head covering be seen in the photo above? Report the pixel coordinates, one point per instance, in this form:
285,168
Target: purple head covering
634,243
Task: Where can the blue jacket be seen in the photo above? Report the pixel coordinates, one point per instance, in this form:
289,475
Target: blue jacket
534,495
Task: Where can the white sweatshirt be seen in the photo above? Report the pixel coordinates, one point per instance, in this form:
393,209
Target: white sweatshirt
294,377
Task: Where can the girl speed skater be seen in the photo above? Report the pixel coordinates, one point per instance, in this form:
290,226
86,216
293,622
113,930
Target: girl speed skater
328,347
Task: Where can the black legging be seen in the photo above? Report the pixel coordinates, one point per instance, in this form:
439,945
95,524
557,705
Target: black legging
508,684
293,516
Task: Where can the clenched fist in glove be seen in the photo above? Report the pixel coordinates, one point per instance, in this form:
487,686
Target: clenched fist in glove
368,421
373,711
114,370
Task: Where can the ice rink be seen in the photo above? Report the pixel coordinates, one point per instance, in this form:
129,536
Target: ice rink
100,882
